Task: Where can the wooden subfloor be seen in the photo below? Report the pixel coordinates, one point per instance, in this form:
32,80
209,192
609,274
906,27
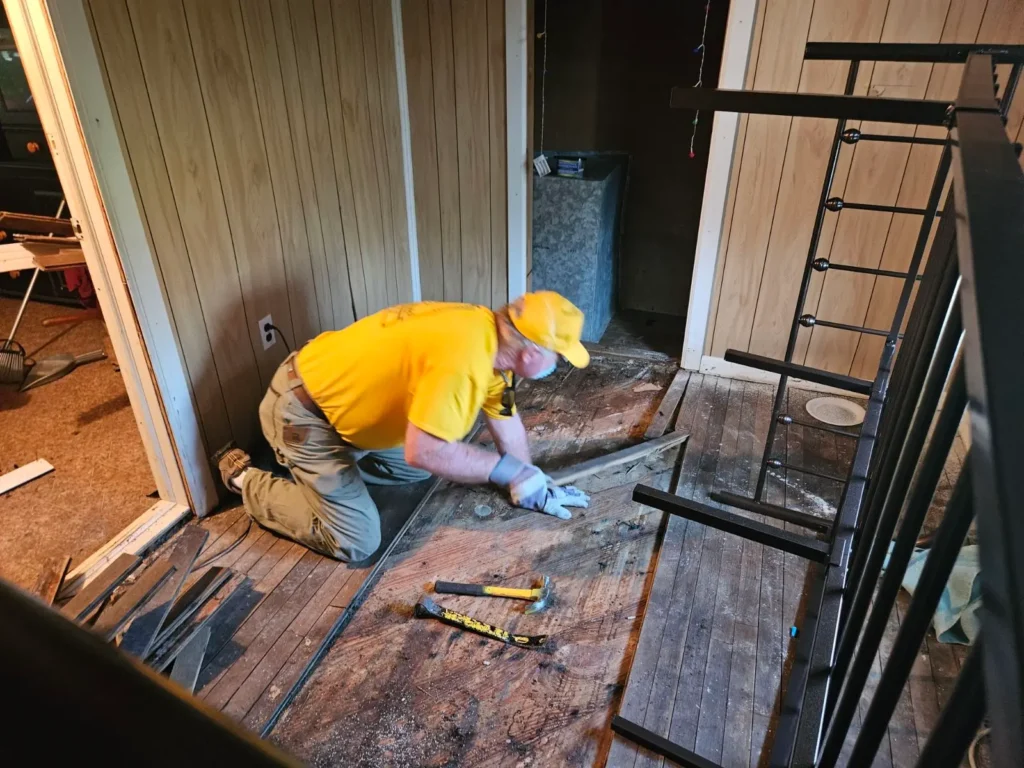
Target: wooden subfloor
397,691
400,691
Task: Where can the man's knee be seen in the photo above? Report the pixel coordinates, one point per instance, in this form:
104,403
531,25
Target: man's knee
353,543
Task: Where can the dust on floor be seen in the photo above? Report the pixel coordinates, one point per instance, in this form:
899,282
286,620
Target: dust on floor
83,425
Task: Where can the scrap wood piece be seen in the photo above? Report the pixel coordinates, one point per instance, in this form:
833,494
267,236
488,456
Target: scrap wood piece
164,655
139,638
191,601
37,225
65,258
47,240
11,480
616,458
186,667
114,617
51,577
669,403
99,589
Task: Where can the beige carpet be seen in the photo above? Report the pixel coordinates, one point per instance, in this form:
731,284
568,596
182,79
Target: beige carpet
83,425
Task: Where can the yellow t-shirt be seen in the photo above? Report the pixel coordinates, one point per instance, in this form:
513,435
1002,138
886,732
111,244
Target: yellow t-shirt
430,363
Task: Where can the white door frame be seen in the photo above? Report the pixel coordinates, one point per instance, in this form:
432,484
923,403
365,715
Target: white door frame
519,164
79,121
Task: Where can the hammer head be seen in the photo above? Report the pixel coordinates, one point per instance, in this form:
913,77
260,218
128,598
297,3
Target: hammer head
544,597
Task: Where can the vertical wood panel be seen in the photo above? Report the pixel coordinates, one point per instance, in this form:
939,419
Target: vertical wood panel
357,176
416,24
867,173
778,69
809,141
962,24
469,33
222,60
876,175
339,241
172,82
387,69
300,138
279,139
426,185
123,71
378,149
498,151
443,55
355,237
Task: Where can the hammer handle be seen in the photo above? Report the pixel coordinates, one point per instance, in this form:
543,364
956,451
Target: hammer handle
454,588
481,590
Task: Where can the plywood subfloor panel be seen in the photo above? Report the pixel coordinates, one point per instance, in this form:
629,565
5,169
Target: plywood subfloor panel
396,691
83,425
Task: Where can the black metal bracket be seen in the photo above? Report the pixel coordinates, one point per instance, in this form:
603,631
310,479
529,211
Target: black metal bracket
803,546
905,111
797,371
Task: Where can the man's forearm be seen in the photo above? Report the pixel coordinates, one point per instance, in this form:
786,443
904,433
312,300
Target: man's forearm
459,462
510,437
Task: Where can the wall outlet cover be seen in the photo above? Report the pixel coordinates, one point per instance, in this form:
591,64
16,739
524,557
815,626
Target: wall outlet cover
267,334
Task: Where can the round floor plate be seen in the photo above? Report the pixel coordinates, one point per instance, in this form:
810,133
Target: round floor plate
835,411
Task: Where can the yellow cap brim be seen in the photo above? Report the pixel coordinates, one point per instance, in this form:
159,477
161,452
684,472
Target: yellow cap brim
577,355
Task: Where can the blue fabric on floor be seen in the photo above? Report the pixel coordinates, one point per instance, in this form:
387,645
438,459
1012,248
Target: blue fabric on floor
956,619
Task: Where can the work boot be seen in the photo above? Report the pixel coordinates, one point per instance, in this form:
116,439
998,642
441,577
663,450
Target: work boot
232,462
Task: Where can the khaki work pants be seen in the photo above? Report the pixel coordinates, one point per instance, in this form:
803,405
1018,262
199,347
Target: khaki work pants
327,507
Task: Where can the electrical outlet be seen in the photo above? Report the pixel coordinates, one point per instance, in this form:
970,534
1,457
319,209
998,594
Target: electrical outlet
267,334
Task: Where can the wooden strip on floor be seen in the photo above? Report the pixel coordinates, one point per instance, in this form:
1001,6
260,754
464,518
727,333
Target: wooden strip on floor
686,710
668,405
188,663
710,732
11,480
96,591
114,617
138,640
51,577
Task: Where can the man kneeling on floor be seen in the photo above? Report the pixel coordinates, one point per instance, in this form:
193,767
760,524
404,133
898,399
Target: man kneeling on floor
387,400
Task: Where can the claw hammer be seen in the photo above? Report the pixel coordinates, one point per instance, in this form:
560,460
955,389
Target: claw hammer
540,593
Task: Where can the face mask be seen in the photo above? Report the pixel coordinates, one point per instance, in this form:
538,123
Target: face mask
545,373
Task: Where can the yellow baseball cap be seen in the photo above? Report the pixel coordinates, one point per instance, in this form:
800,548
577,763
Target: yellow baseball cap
553,322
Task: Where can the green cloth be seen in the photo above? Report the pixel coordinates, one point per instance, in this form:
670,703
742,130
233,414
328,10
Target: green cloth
956,617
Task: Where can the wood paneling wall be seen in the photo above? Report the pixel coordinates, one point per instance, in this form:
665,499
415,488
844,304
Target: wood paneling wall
265,144
455,64
779,163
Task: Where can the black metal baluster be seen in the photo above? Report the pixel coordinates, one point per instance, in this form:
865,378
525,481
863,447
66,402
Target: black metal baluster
937,567
805,282
921,492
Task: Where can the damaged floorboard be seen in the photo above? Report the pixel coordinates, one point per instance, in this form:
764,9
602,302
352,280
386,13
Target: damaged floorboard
399,691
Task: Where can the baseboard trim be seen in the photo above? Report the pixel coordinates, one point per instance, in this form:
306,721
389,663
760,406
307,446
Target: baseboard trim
135,539
717,366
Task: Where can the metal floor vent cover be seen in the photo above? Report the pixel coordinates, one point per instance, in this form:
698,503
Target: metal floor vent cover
835,411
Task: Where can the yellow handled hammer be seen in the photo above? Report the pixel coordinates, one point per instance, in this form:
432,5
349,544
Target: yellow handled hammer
540,594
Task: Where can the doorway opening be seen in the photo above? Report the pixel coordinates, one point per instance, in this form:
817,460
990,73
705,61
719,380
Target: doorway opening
74,471
615,222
